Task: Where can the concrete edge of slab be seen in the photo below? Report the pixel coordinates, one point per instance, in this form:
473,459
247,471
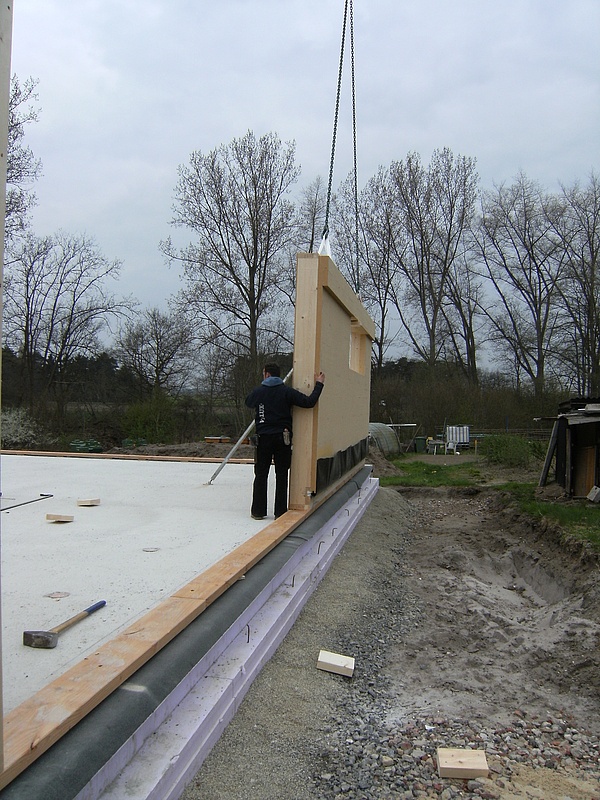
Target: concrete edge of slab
166,751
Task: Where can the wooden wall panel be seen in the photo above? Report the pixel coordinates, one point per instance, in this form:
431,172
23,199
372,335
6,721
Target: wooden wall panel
343,412
333,333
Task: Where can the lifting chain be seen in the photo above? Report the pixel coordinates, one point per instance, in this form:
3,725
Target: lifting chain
348,15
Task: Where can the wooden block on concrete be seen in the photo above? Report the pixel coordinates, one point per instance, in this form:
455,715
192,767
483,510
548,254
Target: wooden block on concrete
95,501
60,517
334,662
460,763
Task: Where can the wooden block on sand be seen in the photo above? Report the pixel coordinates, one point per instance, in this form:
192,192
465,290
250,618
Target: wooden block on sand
95,501
334,662
60,517
460,763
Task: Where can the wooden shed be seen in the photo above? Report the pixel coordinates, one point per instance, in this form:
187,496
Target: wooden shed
575,441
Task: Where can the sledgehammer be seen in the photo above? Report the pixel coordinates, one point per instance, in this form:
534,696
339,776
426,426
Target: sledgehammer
49,639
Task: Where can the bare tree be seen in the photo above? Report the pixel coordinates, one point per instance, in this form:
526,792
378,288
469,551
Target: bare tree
157,348
576,220
378,231
463,316
310,216
436,205
22,168
308,222
345,241
525,262
56,305
234,201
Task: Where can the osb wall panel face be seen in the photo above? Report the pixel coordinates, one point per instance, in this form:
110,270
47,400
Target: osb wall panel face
325,307
343,409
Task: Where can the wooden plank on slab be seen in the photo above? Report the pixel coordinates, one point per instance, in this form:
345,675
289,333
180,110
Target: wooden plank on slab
212,583
461,763
91,501
126,457
39,722
35,725
60,517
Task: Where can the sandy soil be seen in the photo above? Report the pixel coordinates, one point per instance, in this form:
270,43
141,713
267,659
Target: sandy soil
507,621
512,619
509,603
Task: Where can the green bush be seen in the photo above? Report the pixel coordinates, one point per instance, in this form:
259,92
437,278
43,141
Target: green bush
507,450
152,420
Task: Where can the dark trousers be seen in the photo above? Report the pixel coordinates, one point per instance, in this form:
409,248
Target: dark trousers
271,448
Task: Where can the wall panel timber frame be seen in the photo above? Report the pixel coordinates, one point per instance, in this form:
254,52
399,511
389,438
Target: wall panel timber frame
333,333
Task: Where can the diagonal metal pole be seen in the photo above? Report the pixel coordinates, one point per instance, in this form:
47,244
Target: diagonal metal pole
244,435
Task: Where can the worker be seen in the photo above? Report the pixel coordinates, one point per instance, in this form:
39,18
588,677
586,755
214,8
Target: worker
273,402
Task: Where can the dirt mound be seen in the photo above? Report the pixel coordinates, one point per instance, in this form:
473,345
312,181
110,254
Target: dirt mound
512,618
212,450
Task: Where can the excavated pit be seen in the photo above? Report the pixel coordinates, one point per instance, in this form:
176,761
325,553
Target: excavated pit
505,615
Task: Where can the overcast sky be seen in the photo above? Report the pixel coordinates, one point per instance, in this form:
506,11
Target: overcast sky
128,89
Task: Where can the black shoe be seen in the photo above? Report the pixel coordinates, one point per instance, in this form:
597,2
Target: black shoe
255,516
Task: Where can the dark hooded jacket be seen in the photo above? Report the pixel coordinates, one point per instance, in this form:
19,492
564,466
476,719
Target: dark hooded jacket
273,402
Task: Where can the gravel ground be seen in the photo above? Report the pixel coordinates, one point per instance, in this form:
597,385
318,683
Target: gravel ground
470,626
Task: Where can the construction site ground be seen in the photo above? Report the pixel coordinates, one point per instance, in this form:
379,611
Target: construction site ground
469,622
472,625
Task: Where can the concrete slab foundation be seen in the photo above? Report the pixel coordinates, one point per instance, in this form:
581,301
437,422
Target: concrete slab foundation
157,526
